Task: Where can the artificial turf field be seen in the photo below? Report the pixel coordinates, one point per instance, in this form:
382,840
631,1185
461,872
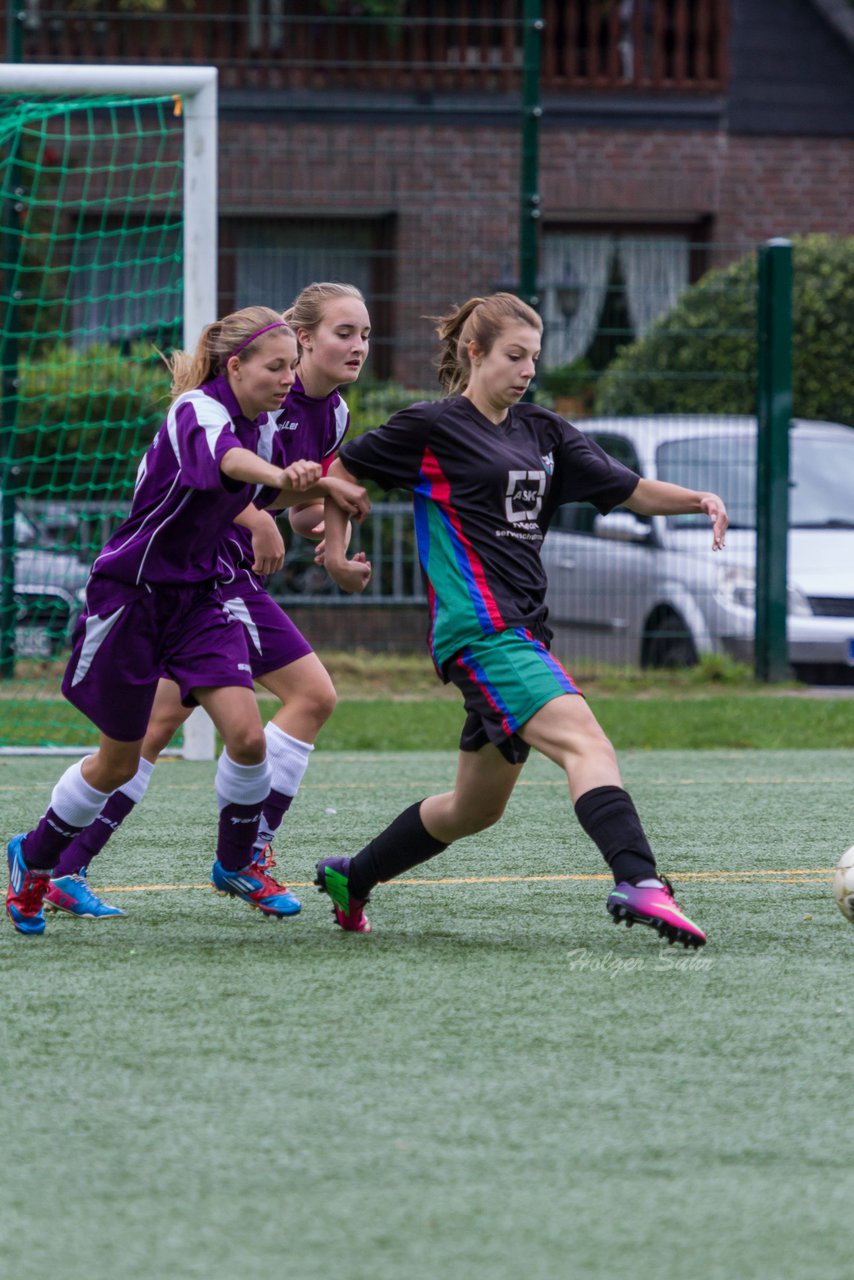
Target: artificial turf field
497,1083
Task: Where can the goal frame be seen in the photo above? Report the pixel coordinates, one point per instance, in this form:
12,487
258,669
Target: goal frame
197,89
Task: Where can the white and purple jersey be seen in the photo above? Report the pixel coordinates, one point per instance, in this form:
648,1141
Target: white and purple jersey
183,504
305,428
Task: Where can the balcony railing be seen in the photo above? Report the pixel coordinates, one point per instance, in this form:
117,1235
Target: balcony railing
424,48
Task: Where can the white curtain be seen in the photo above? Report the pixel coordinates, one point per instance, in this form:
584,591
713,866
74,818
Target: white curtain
583,261
655,270
656,274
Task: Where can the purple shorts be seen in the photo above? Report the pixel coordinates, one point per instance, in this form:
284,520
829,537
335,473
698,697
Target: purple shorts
130,636
273,641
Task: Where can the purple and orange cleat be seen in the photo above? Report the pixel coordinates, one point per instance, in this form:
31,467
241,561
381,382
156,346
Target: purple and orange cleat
349,912
654,906
26,893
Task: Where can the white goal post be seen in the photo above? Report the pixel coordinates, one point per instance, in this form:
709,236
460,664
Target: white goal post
197,89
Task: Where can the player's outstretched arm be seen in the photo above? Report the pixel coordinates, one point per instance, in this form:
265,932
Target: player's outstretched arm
350,575
298,483
297,480
658,498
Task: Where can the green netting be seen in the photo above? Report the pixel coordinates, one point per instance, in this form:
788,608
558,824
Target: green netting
91,267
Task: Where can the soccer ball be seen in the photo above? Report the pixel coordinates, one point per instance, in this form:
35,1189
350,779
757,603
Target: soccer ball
843,884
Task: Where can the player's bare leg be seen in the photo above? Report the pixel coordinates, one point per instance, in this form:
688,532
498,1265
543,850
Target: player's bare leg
566,731
484,784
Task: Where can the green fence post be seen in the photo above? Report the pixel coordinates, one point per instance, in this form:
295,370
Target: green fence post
14,32
774,415
9,382
529,221
12,208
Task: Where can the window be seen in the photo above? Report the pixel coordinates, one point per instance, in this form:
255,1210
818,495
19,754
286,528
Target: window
269,260
608,287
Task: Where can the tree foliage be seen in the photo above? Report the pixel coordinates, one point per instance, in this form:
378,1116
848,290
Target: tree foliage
701,357
84,418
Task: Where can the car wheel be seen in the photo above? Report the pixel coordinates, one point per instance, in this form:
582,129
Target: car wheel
667,642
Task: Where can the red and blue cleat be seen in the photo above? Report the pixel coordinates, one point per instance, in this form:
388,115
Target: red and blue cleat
26,893
257,888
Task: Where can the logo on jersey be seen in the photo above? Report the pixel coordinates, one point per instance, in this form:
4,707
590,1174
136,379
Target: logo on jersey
287,426
524,498
549,463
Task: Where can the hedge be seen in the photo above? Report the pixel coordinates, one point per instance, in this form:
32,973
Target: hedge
701,357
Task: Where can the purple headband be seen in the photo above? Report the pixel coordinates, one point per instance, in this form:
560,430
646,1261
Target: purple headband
278,324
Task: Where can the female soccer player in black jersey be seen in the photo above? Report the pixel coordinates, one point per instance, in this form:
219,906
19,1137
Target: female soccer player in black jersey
487,474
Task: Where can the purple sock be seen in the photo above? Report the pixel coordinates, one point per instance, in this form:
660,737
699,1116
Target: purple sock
92,839
238,827
274,809
44,844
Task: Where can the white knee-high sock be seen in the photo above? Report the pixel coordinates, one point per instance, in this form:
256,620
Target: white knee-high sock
241,783
289,759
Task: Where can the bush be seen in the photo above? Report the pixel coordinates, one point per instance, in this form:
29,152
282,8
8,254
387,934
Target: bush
701,357
372,403
85,417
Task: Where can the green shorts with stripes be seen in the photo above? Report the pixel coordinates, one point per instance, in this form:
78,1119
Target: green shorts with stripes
505,679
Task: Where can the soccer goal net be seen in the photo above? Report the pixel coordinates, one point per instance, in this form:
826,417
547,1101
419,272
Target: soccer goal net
107,257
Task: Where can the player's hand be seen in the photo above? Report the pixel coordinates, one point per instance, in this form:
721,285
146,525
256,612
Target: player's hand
268,548
300,475
320,549
716,511
350,497
353,575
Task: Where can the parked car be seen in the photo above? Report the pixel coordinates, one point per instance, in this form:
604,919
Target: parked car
649,591
49,593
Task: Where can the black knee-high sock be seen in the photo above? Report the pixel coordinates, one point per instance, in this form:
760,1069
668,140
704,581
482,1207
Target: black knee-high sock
611,820
403,845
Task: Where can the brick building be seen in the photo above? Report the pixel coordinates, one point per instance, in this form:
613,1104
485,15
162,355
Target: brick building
675,135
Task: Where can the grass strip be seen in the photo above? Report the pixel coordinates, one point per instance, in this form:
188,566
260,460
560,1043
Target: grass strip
688,722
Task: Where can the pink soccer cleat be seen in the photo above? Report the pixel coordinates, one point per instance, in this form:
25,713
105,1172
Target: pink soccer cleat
656,907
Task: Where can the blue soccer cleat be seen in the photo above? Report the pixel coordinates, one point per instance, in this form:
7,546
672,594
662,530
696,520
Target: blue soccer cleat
26,892
256,888
72,895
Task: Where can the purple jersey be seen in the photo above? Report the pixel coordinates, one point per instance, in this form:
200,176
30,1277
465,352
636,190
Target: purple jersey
183,504
305,428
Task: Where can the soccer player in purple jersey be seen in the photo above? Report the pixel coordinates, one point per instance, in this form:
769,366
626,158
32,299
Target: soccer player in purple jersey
332,326
151,603
487,474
